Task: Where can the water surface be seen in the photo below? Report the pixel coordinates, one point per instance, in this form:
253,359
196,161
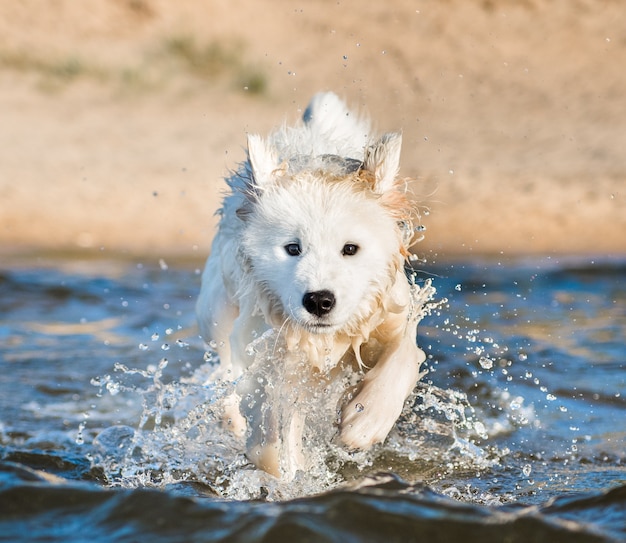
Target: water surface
108,431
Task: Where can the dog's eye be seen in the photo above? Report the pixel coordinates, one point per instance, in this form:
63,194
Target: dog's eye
293,249
349,249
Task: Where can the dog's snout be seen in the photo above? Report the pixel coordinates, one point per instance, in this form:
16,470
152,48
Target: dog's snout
319,303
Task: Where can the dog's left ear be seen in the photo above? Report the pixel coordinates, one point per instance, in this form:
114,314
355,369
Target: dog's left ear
383,160
263,160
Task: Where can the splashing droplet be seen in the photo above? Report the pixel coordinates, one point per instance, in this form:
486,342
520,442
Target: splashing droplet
485,363
80,438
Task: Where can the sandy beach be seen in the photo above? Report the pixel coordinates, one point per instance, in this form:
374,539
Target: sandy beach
119,118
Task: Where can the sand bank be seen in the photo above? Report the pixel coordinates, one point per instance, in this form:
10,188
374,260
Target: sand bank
119,118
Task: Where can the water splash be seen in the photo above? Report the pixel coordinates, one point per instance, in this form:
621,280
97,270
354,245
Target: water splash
180,435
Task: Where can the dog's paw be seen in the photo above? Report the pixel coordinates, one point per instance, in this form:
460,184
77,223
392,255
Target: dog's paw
369,417
266,457
277,458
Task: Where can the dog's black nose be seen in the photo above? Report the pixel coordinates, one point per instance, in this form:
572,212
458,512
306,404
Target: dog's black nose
319,302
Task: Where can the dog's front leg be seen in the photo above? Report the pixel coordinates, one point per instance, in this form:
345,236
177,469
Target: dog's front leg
271,402
244,329
370,415
263,442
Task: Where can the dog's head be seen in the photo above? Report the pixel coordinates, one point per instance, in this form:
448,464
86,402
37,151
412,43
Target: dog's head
322,241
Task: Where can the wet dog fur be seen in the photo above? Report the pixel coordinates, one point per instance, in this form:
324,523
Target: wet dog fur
312,241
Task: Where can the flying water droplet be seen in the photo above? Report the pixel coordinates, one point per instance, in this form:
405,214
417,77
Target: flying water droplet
485,363
80,439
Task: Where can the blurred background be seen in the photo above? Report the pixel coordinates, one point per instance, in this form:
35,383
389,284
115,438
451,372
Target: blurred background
118,118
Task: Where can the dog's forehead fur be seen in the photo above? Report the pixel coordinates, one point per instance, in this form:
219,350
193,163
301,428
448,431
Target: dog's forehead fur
316,203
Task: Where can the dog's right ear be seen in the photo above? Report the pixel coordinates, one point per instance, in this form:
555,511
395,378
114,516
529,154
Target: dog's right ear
263,160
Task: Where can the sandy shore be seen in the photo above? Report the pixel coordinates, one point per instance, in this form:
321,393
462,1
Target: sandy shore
119,117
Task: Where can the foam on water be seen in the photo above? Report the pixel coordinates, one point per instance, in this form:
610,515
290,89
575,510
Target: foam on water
180,434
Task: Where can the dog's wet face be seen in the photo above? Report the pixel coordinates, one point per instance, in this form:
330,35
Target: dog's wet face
321,252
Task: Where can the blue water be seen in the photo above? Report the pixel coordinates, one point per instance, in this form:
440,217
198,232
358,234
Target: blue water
517,433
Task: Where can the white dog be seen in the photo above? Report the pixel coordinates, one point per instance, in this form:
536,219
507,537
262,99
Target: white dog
312,243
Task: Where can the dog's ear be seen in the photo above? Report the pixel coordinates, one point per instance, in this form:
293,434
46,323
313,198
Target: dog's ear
383,160
263,160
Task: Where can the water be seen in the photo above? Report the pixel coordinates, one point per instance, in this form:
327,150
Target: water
109,428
